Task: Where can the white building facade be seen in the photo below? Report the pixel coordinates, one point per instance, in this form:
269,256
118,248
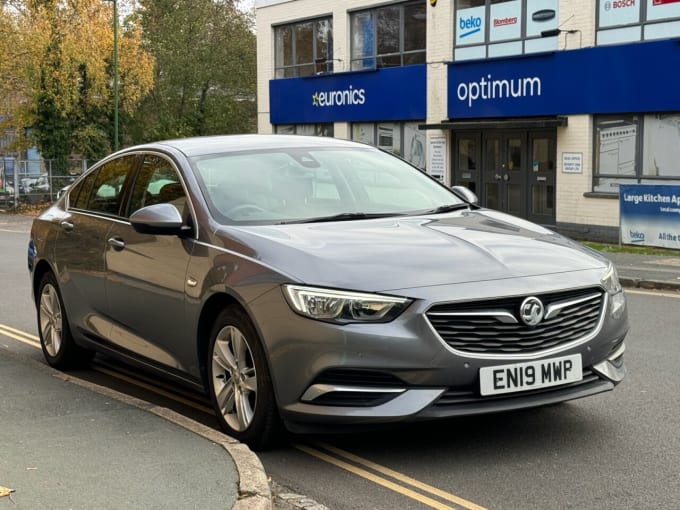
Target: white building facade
542,107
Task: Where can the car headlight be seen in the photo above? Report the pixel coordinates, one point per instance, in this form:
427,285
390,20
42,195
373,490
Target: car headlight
343,307
610,281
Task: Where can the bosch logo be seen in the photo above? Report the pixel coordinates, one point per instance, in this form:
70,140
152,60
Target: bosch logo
531,311
618,4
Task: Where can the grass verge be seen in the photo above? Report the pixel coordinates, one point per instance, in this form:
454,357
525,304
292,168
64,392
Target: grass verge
639,250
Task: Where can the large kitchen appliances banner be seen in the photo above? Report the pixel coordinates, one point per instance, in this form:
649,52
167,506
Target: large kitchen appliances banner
390,94
640,77
650,215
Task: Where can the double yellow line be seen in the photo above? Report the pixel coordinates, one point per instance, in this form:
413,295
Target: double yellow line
367,469
20,336
364,468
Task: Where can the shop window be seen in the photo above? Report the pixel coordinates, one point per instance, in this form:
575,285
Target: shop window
661,146
389,36
303,48
616,147
401,138
325,129
633,149
637,21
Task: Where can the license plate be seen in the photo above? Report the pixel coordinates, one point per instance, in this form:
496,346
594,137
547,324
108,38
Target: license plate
530,375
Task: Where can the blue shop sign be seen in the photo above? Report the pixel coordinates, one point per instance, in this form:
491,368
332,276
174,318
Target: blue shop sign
389,94
640,77
650,214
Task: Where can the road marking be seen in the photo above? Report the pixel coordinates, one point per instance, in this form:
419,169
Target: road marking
153,389
34,341
384,482
402,478
20,336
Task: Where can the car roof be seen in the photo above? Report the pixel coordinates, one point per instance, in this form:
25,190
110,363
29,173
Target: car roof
202,145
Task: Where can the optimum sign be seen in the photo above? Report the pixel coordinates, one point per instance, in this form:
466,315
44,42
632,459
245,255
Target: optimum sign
489,88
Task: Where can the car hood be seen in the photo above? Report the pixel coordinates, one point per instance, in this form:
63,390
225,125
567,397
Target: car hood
408,252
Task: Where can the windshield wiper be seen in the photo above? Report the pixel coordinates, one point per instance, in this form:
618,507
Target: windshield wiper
447,208
342,217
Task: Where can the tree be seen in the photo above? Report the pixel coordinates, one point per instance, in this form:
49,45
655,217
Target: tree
68,75
205,74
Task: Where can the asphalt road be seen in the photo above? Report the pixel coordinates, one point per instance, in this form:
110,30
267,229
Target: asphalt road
616,450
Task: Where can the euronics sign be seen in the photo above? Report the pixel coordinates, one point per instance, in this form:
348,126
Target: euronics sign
650,215
389,94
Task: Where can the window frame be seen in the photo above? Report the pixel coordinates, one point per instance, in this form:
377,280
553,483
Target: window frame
376,60
318,65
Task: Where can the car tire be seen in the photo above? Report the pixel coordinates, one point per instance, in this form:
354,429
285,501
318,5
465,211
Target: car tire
239,381
58,346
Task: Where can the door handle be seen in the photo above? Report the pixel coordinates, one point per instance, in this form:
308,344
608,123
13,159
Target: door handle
66,226
116,243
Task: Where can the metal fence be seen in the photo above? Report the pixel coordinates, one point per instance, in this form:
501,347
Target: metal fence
35,181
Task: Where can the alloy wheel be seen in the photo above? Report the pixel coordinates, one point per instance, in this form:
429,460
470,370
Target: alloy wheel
234,378
51,321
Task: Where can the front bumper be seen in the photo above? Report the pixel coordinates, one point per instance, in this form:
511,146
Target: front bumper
403,371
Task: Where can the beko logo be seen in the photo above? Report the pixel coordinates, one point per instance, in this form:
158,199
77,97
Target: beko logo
469,26
347,97
488,88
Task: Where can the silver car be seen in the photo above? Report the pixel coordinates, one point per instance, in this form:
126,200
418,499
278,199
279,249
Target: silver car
311,283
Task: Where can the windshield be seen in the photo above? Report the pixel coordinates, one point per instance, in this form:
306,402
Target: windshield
298,185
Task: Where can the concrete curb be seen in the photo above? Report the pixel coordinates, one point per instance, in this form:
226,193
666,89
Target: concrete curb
254,492
639,283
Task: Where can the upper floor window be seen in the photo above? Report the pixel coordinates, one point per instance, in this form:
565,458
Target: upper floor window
624,21
499,28
303,48
393,35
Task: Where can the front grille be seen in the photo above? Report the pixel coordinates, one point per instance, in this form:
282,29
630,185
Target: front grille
494,326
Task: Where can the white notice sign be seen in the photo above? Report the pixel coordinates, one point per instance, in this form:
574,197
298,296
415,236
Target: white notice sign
572,162
437,157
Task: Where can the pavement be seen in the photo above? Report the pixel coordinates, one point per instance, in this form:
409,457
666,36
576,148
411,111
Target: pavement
67,443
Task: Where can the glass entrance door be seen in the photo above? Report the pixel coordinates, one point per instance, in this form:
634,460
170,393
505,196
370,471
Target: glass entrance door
541,180
504,172
511,171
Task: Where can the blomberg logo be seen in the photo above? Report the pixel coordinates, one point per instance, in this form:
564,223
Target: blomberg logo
504,21
488,88
347,97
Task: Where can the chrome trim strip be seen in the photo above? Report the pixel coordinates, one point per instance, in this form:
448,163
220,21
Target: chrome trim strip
317,390
502,315
555,308
607,369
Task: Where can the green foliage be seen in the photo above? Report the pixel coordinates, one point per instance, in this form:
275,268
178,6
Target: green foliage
205,75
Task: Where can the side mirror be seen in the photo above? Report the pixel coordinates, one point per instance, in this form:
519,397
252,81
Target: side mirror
158,219
466,194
